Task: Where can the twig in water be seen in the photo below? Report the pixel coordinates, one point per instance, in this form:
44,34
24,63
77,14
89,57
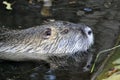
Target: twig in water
103,51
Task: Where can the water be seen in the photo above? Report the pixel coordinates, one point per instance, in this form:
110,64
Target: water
101,15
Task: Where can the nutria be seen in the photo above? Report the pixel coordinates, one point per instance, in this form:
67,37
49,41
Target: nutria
58,38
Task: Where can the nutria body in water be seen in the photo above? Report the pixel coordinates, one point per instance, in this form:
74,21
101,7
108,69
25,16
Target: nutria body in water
57,38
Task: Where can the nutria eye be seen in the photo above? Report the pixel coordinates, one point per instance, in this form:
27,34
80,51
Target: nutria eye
89,32
65,31
48,32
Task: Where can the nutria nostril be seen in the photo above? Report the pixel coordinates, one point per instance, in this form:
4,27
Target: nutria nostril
57,38
89,32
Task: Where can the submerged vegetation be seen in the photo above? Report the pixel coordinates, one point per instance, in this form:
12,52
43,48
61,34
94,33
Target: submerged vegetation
110,68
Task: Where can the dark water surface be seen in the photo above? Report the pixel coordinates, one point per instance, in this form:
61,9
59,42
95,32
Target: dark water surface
103,16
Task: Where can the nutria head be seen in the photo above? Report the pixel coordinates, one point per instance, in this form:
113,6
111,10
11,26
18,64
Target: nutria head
66,37
57,38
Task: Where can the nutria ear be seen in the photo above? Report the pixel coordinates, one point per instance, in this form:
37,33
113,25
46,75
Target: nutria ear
47,33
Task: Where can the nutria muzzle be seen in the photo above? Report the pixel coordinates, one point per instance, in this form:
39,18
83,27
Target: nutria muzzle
57,38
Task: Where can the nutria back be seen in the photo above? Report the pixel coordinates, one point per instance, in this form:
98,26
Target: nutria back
57,38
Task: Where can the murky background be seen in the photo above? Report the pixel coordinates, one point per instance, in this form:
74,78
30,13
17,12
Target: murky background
103,16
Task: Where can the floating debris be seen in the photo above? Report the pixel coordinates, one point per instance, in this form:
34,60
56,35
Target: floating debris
115,76
46,11
46,8
88,9
116,61
111,71
8,5
108,4
80,13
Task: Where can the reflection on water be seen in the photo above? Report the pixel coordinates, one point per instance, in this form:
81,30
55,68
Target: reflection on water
50,76
100,15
